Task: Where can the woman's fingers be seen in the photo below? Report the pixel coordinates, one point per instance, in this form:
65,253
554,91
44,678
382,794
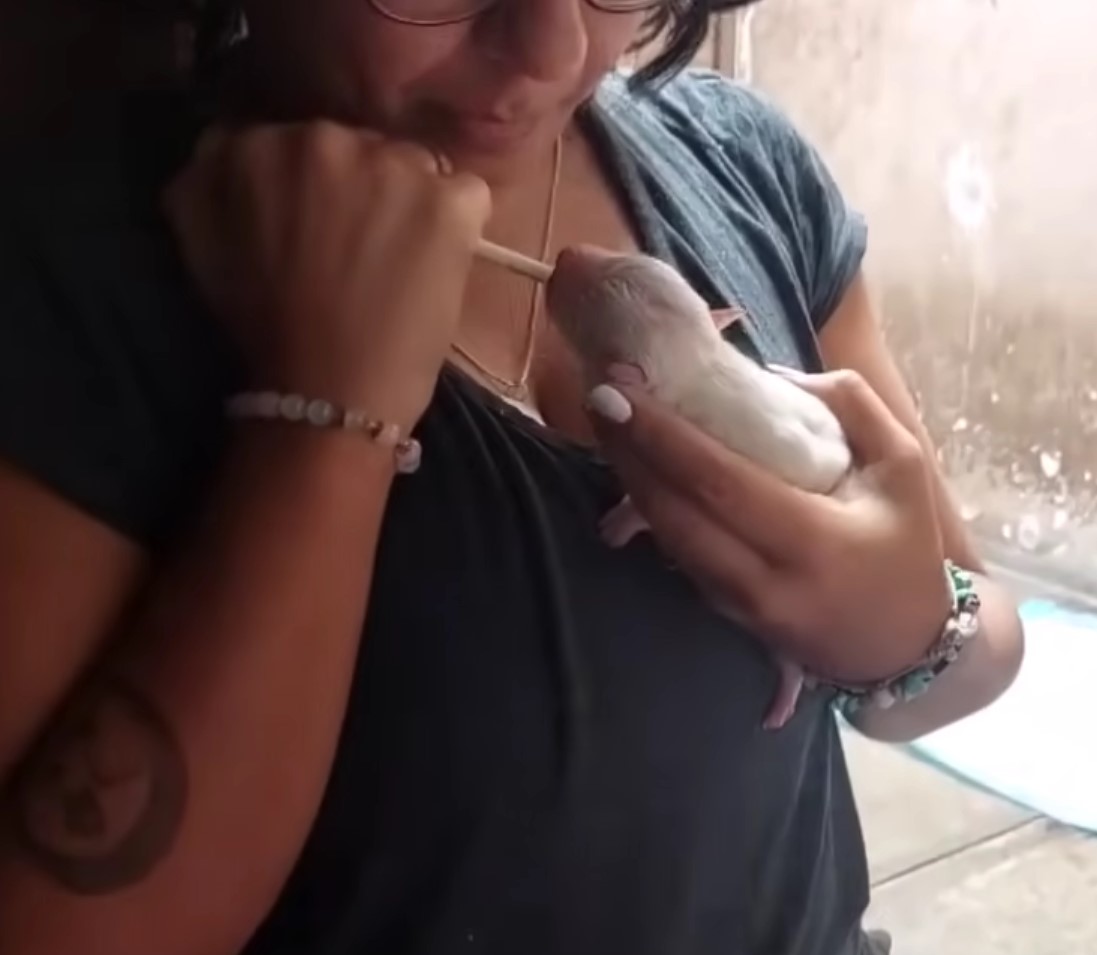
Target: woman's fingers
735,579
765,513
874,434
698,545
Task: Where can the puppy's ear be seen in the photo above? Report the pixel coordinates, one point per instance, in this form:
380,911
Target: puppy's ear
724,318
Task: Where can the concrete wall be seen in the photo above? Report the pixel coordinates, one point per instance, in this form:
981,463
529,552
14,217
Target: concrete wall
966,131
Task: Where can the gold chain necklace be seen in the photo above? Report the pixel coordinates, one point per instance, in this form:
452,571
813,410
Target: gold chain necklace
519,390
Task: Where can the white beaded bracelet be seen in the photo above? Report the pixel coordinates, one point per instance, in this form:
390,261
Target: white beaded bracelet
296,409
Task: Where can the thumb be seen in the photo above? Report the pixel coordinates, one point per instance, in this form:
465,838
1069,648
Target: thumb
874,434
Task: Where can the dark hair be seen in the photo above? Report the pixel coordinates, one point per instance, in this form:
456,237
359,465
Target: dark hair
213,21
682,24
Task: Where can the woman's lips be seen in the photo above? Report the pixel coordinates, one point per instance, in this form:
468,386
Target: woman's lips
491,131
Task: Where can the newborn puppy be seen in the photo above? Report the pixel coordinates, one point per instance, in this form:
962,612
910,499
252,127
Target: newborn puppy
637,315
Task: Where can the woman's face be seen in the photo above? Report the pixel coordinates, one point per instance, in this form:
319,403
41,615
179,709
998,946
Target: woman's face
490,92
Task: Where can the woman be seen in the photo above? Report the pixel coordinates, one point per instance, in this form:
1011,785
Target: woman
535,743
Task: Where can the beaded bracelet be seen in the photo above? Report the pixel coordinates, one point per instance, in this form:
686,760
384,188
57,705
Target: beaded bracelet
295,409
959,629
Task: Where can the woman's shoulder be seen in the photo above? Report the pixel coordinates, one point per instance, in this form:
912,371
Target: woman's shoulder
83,238
101,162
733,171
107,365
694,86
705,135
700,108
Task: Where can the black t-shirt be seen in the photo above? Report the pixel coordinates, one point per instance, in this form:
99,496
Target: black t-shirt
550,748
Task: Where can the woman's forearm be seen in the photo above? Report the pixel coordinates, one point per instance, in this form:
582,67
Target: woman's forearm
984,671
167,804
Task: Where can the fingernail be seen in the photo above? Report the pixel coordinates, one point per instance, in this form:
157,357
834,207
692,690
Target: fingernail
607,402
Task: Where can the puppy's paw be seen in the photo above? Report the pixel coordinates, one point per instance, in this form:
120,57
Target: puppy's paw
621,524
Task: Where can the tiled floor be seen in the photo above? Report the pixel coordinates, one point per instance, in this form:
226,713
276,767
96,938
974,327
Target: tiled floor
959,872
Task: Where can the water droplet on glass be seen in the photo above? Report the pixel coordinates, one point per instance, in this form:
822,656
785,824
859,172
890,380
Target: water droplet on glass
1029,532
968,189
1051,463
969,512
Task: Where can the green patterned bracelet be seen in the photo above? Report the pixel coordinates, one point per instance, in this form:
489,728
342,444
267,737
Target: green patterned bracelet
959,629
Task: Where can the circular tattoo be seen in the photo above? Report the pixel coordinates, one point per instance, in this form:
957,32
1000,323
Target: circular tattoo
100,802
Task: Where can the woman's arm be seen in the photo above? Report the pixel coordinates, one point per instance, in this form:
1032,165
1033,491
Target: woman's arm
169,798
852,339
65,580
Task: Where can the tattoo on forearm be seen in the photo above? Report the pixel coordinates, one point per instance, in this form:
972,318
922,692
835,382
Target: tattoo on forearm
99,803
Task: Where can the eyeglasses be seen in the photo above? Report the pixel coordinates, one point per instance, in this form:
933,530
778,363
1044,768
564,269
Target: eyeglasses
436,13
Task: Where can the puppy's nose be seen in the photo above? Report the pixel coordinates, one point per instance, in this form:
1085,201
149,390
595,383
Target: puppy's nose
577,269
583,257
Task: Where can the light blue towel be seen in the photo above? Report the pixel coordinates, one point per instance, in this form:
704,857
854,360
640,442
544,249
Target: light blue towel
1038,744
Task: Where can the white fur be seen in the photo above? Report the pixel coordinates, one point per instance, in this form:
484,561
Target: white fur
637,310
765,418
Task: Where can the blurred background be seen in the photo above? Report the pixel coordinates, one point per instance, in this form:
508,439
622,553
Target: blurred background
966,131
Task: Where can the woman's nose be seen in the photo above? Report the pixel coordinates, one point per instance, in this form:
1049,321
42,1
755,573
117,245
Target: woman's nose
545,40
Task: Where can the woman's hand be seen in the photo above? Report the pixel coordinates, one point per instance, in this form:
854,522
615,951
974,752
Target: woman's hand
338,258
853,587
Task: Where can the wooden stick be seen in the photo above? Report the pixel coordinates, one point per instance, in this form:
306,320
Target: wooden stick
509,259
